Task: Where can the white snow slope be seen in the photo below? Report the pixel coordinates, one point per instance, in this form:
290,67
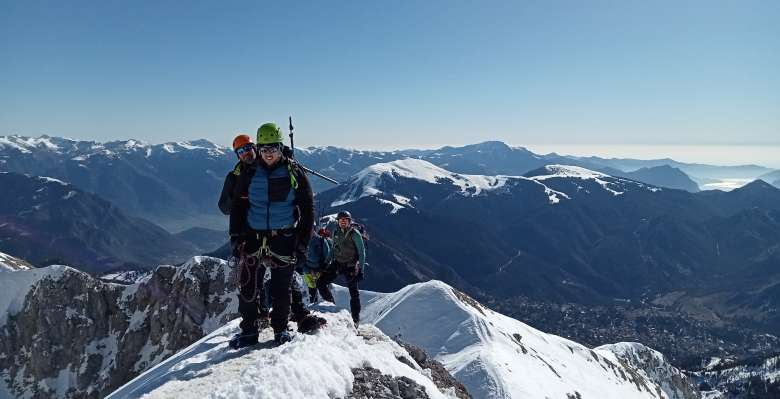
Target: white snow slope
377,180
493,355
496,356
369,181
311,366
10,263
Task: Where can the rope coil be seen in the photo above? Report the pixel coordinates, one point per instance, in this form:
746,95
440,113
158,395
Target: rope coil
248,261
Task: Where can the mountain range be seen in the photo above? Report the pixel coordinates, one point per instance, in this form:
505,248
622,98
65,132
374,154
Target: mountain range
517,231
772,177
45,221
565,234
177,184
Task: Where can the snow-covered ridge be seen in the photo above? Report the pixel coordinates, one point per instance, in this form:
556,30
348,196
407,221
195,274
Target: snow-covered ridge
164,312
311,366
609,183
83,150
47,179
377,181
10,263
499,357
569,171
25,144
368,181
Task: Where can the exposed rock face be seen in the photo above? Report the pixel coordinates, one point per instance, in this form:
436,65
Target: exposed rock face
370,383
758,377
440,376
652,365
80,337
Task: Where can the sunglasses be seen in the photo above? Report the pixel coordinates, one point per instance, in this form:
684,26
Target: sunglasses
268,149
244,149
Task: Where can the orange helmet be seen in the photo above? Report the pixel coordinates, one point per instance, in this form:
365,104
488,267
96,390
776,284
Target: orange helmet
240,141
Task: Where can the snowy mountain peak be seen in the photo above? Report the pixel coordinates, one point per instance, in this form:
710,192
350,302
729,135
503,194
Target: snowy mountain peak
553,171
28,144
490,146
614,185
83,150
499,357
409,167
375,179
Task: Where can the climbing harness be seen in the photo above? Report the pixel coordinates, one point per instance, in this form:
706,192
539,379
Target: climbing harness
249,263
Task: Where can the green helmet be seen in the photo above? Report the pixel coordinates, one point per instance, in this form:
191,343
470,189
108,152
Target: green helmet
269,133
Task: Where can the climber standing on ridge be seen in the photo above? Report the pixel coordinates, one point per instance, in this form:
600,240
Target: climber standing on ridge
349,259
271,221
247,155
317,260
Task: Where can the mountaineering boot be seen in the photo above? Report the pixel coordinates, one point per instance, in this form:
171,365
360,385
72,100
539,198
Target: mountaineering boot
310,324
282,337
243,340
299,315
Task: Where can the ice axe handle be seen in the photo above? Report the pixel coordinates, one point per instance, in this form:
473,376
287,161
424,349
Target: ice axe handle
320,175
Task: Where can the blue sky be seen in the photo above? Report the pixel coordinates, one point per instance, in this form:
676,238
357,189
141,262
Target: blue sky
395,74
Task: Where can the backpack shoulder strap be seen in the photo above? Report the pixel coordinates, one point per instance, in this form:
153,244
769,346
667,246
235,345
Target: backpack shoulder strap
293,169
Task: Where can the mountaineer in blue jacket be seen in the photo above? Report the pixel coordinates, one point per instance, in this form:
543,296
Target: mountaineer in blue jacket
317,260
271,221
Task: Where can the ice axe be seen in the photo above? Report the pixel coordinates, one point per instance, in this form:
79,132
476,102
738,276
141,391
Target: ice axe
305,169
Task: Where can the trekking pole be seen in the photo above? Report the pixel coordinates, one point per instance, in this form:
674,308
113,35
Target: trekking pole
305,169
292,143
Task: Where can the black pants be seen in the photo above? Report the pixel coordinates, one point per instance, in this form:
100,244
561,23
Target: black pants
251,294
313,295
297,307
299,310
348,271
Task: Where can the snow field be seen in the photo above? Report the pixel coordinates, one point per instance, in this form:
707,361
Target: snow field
496,356
311,366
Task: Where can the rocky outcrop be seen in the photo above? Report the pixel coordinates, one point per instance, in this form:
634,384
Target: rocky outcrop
80,337
439,374
757,377
370,383
652,365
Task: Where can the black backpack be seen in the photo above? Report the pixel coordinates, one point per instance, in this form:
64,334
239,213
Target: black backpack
323,258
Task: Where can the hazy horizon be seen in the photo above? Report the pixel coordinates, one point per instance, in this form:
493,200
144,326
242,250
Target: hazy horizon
711,154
